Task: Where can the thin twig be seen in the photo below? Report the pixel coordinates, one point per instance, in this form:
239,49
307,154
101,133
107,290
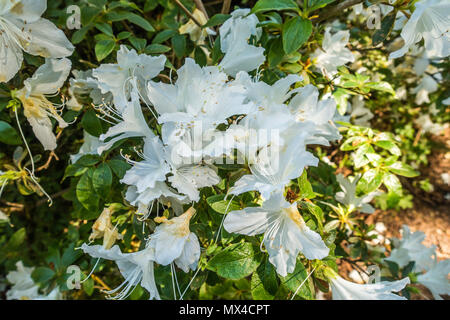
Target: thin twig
182,7
336,10
226,6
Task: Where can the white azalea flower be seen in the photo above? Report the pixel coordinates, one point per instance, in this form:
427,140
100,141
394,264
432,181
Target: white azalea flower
190,178
199,94
131,70
234,36
306,107
436,279
84,86
427,125
410,248
144,200
144,174
345,290
89,146
136,267
348,195
360,114
24,287
23,29
174,242
430,21
275,166
131,123
47,80
334,53
426,86
285,232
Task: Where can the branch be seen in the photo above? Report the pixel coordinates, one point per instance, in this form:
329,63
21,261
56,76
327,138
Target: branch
336,10
182,7
226,6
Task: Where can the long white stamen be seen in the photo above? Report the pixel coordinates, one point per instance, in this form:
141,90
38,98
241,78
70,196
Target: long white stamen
296,291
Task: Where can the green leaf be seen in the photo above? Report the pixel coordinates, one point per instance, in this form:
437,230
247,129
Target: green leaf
138,43
119,167
8,134
236,261
102,180
74,170
88,286
276,52
200,56
293,281
392,182
218,204
216,20
163,36
390,146
179,45
387,23
80,34
380,86
86,193
353,143
156,48
403,169
306,191
370,181
105,28
70,255
104,48
278,5
264,282
296,32
16,240
140,21
42,274
91,123
318,4
88,160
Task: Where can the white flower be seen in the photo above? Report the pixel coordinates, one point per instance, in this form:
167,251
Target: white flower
346,290
153,168
131,123
136,267
430,21
47,80
144,199
306,107
188,179
360,114
348,195
426,86
234,36
425,123
23,29
89,146
436,279
82,87
174,242
334,53
24,287
275,166
285,232
132,70
199,94
410,248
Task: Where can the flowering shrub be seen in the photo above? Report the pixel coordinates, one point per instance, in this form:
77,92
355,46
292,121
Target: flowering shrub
194,150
